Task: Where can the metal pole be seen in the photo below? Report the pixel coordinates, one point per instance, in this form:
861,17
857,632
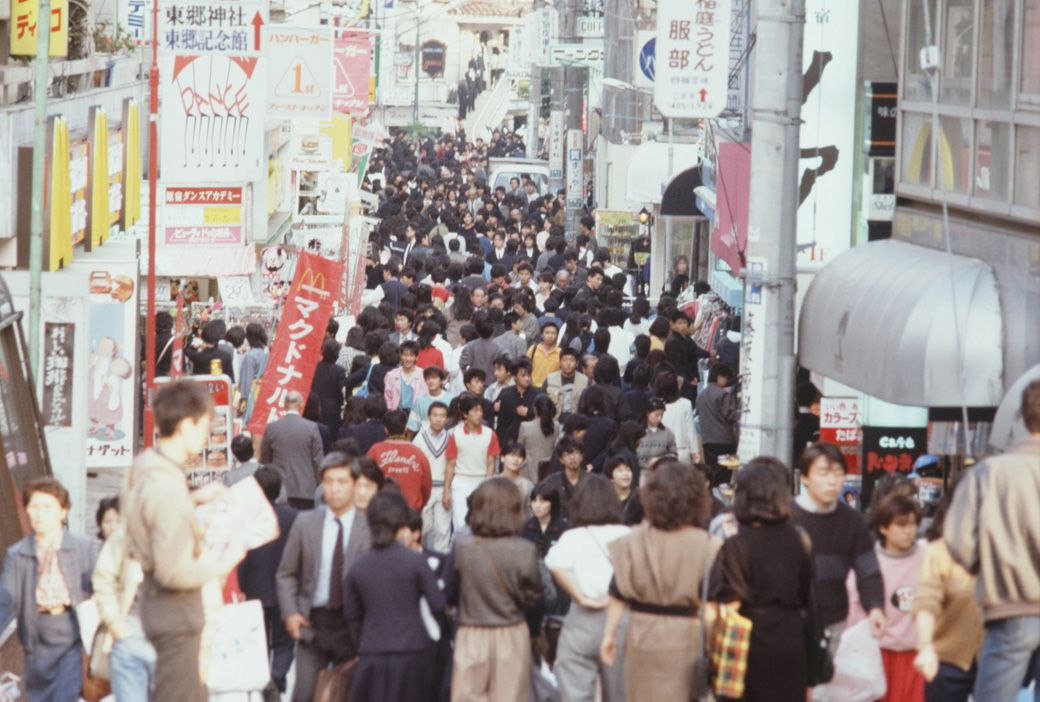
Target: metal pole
153,181
41,83
415,105
768,361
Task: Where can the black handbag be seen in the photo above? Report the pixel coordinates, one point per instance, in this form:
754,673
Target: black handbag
819,664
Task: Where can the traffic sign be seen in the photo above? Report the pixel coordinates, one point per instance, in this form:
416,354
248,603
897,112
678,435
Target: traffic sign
692,58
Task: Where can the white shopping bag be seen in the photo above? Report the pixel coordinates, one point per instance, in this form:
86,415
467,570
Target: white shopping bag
859,674
238,659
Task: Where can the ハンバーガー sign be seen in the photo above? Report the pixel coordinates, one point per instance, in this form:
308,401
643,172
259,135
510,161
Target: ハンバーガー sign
300,72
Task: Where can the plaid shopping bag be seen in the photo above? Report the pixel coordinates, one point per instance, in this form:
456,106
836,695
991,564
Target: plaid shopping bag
730,655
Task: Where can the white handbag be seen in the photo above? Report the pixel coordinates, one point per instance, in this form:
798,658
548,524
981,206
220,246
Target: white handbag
238,657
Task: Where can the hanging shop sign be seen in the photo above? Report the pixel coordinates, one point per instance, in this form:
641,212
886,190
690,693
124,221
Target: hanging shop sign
191,146
300,72
294,356
58,344
24,19
889,450
587,54
692,58
134,19
556,138
113,357
433,55
200,215
352,61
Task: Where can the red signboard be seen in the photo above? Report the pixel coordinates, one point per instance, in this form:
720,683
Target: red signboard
841,424
297,343
351,57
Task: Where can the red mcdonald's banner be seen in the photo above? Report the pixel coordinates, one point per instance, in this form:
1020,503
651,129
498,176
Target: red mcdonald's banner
301,331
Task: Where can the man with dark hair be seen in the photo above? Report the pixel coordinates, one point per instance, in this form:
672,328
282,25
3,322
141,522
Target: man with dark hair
563,482
293,445
256,577
371,431
401,460
322,546
807,421
993,530
683,353
566,385
516,403
161,535
480,353
511,342
205,349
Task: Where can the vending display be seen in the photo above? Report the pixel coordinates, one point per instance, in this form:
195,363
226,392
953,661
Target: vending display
210,464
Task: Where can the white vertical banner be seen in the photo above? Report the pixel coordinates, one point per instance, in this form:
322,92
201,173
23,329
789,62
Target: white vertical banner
692,58
575,169
752,361
556,136
827,137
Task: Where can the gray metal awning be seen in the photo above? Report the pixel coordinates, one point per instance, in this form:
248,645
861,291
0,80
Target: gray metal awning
880,318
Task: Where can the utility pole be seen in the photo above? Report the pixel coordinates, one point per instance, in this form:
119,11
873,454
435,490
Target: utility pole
40,86
767,353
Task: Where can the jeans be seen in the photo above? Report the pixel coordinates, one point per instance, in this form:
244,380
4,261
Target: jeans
951,684
1011,648
132,668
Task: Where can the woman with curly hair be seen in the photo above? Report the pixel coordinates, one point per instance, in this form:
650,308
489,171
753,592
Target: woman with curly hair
658,571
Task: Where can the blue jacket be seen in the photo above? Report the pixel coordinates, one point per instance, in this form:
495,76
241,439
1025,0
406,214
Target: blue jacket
18,581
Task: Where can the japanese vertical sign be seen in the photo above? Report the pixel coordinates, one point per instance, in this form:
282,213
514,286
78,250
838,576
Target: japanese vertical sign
134,16
214,91
351,60
752,362
556,136
300,74
297,344
24,21
57,374
111,388
841,424
692,63
575,169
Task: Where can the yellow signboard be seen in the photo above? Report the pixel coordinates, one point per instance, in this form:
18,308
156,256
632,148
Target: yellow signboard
100,221
132,165
59,230
24,14
222,215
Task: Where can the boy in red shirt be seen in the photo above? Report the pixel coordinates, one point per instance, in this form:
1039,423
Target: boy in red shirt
403,461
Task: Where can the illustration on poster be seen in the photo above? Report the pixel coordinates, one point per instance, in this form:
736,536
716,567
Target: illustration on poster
109,370
217,116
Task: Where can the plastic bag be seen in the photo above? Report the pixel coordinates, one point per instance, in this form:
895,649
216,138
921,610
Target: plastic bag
859,674
238,660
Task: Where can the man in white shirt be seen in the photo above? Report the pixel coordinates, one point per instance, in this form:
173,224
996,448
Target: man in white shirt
432,440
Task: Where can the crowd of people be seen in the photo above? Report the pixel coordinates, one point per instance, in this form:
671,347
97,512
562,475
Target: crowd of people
504,482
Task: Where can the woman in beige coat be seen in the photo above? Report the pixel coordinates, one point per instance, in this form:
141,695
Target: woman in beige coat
658,570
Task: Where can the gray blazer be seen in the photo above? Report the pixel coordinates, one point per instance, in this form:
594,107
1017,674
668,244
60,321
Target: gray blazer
298,571
18,582
293,446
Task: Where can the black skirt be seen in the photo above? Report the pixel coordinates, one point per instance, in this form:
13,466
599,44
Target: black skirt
394,677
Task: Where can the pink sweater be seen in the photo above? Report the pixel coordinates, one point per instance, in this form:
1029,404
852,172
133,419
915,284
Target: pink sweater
901,575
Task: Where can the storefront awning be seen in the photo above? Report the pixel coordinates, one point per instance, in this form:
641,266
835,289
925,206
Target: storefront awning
880,318
648,169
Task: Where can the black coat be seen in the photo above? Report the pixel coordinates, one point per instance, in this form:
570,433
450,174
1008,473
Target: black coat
257,570
329,383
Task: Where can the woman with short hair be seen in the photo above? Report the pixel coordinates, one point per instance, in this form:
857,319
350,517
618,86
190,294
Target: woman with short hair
45,575
658,571
497,588
765,572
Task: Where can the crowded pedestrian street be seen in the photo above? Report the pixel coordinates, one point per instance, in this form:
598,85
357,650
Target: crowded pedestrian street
513,351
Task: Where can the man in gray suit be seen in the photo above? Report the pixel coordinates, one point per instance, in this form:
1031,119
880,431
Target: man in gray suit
292,445
322,545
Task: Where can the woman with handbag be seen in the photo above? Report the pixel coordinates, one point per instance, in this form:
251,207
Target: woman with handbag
496,585
121,651
764,571
658,573
45,576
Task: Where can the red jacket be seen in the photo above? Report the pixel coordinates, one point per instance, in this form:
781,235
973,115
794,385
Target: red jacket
407,465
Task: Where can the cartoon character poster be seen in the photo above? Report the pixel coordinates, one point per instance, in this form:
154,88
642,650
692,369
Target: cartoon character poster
112,368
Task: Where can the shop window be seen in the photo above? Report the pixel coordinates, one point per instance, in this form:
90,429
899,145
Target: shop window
915,83
996,53
992,160
1030,61
915,149
1027,167
958,51
954,164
